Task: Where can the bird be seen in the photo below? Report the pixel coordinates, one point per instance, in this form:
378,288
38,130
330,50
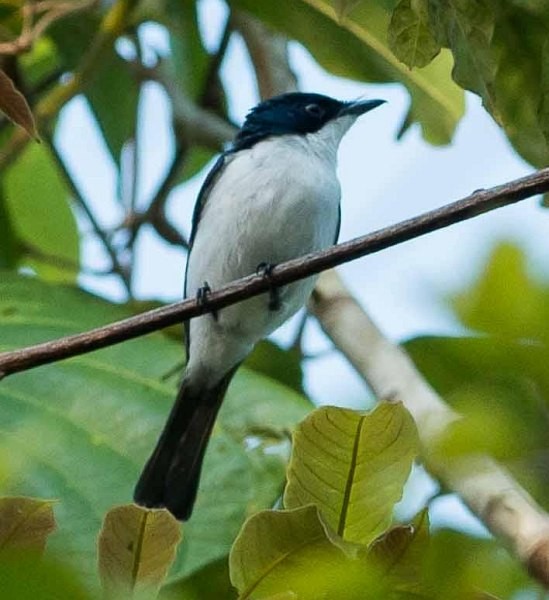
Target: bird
272,196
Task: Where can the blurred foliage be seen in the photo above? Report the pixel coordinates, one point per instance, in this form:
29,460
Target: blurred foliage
498,379
78,431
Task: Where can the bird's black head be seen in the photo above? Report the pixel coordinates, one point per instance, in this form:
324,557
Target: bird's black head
296,112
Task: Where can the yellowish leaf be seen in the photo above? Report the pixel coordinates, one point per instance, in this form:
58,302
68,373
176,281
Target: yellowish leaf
25,524
287,553
399,554
136,548
352,466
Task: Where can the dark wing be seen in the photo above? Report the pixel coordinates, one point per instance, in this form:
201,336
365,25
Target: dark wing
209,182
338,223
201,200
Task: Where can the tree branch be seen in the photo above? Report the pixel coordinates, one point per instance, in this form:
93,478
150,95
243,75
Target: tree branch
489,490
155,214
112,25
269,54
476,204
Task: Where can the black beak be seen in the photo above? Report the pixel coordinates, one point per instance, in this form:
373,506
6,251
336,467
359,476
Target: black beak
359,107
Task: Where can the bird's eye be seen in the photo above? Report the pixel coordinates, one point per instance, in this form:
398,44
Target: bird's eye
314,110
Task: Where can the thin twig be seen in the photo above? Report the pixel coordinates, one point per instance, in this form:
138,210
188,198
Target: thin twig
112,25
31,31
476,204
210,81
268,51
155,214
79,199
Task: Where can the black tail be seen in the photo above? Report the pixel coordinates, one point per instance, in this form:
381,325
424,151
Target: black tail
170,477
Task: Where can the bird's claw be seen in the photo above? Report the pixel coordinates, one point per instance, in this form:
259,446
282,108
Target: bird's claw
202,297
265,269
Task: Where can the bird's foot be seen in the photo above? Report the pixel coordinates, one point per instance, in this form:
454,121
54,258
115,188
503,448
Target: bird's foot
202,297
265,269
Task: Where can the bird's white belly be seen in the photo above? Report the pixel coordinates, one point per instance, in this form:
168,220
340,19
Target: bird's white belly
263,217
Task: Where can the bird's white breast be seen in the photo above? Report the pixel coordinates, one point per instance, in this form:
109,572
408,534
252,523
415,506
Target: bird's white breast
271,203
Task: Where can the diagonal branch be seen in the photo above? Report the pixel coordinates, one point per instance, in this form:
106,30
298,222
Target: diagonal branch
476,204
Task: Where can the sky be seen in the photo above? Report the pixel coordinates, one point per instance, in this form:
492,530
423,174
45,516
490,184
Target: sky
383,181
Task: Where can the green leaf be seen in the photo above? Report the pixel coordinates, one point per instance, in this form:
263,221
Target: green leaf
289,551
400,554
519,39
467,27
80,430
39,62
503,390
356,47
25,524
37,202
344,7
459,566
352,466
136,548
9,248
410,36
25,578
196,159
544,104
190,60
492,305
211,582
279,364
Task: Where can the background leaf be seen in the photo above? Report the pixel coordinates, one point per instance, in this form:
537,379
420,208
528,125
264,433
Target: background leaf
476,564
467,27
487,304
37,202
410,36
25,524
288,551
356,47
400,554
9,248
352,466
211,582
25,578
503,389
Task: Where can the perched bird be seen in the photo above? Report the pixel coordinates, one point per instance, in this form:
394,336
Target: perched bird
273,196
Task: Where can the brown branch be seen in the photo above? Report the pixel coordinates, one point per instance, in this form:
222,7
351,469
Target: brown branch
268,51
53,11
155,214
476,204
